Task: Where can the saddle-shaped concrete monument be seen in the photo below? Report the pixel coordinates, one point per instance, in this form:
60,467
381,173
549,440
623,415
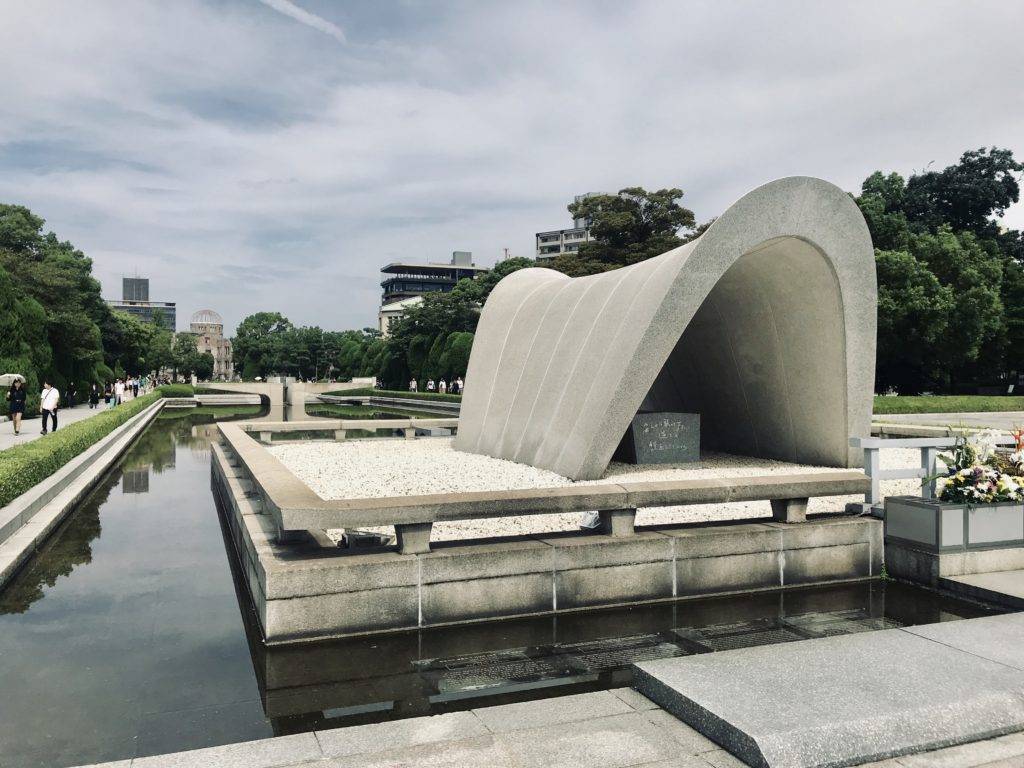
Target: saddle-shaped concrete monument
765,326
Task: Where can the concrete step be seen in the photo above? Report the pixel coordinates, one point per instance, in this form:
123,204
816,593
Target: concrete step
845,700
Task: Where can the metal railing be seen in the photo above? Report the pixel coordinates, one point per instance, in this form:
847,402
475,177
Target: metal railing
926,471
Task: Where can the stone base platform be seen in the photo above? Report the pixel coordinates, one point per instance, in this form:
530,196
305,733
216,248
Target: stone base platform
840,701
998,588
307,589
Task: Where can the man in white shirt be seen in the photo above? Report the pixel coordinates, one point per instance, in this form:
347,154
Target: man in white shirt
48,402
118,392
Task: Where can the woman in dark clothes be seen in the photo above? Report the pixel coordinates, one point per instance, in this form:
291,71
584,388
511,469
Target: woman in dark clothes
94,395
16,397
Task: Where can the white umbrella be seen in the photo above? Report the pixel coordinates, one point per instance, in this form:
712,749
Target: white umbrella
8,379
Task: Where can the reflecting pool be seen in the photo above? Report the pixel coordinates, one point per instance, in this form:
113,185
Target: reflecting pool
127,634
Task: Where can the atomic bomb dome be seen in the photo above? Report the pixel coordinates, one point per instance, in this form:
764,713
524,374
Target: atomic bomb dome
208,326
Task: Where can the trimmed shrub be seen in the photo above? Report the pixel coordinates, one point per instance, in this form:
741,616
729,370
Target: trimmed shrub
176,390
364,391
23,466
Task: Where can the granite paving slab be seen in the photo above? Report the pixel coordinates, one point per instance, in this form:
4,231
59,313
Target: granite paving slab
1005,587
997,638
841,701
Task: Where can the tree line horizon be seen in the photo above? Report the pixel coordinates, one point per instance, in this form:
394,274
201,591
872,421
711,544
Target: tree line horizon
950,293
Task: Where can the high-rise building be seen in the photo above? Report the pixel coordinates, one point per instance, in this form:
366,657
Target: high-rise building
403,280
135,301
557,241
208,328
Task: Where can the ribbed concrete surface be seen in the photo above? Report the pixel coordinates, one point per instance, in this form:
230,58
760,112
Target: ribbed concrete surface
765,325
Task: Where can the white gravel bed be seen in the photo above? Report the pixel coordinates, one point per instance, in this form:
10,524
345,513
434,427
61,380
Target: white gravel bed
378,468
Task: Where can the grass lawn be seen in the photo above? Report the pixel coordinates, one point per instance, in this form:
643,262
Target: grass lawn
398,393
335,411
947,404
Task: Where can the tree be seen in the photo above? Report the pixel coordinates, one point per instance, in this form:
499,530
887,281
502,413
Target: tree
24,347
950,281
185,354
257,344
204,366
629,227
59,278
455,358
160,354
967,195
127,342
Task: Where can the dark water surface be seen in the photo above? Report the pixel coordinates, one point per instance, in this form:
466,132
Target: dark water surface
126,635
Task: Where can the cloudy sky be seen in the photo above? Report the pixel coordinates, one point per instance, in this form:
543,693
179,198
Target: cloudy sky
255,155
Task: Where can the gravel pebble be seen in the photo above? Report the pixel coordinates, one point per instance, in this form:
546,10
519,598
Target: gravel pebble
376,468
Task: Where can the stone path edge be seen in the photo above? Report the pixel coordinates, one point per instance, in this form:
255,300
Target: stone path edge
61,492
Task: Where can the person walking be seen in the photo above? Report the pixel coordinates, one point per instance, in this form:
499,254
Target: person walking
118,391
430,385
135,386
94,396
16,397
442,387
413,386
48,403
72,394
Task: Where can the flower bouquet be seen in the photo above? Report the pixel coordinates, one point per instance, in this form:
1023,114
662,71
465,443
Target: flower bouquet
980,504
977,472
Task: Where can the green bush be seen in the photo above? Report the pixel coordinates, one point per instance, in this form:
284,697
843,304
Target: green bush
176,390
362,392
23,466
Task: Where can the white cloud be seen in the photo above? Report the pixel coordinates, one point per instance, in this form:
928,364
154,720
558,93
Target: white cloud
305,17
244,164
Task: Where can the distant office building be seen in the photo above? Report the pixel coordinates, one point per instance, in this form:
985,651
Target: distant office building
403,280
135,480
558,241
135,301
135,288
208,328
390,313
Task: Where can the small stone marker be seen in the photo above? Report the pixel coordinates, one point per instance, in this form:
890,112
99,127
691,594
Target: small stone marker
661,438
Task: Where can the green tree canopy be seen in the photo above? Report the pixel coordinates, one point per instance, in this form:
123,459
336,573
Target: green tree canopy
58,277
950,280
628,227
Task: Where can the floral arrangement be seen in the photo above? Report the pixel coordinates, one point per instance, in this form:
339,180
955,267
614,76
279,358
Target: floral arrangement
977,472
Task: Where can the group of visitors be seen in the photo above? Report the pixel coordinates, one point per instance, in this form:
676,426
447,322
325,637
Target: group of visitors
442,387
49,401
114,393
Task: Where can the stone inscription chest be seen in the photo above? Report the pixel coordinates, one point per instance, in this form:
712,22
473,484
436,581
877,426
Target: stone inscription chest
661,438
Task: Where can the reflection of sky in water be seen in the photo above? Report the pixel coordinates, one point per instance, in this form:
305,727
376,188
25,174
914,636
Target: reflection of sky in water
124,637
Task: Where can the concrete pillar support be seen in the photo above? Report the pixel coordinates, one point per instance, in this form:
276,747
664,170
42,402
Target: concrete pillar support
266,437
410,432
339,434
617,522
413,538
789,510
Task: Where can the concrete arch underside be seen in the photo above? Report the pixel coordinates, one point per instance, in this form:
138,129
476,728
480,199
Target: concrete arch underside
765,326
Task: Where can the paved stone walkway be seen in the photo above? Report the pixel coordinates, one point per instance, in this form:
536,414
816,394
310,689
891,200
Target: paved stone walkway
1001,420
30,427
1004,587
606,729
